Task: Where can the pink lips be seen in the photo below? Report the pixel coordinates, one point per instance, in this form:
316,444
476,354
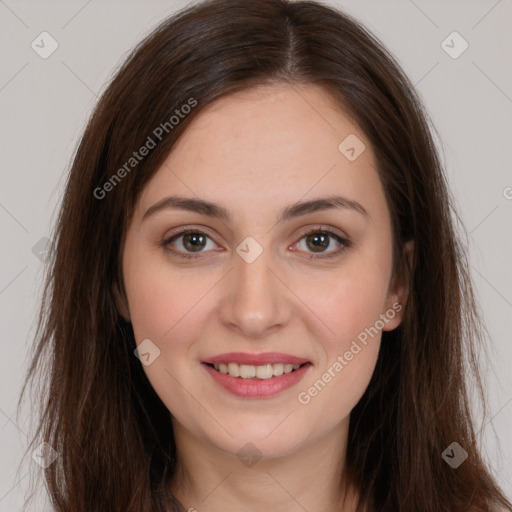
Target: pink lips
255,359
257,388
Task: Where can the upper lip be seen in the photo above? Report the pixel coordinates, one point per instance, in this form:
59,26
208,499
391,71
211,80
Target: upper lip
255,359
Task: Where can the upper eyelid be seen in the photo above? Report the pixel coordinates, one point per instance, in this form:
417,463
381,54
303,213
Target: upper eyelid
331,231
184,231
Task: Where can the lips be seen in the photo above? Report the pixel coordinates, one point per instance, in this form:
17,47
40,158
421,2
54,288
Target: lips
256,359
257,388
261,375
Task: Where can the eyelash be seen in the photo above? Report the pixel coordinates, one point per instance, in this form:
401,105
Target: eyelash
190,256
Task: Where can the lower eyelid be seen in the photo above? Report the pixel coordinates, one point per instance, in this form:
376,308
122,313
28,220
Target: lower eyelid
344,244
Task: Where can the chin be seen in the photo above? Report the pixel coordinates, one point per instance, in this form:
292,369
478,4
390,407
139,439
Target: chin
259,444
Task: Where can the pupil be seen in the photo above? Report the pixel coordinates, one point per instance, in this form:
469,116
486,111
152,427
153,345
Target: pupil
194,237
322,245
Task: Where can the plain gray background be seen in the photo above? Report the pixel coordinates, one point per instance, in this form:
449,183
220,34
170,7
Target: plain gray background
45,102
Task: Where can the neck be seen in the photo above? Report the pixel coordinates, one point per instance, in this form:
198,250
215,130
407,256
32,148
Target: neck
209,479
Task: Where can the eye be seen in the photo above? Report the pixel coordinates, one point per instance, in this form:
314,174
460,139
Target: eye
192,240
191,243
318,240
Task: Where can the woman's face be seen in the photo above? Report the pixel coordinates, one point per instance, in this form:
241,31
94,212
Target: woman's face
255,283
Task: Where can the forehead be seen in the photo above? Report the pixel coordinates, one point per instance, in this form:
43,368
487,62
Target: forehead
280,126
269,145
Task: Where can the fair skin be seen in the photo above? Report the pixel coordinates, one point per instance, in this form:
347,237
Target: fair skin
255,153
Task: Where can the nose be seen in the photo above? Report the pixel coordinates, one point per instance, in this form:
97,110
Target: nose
256,299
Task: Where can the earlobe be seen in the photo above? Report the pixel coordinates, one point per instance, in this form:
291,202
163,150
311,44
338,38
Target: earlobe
121,303
399,291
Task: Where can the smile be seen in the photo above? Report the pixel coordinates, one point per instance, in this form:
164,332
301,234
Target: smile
256,380
247,371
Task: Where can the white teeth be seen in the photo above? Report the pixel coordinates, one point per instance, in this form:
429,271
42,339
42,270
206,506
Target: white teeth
264,372
234,370
278,369
247,371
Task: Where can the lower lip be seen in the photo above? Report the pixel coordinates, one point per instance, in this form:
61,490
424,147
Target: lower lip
257,388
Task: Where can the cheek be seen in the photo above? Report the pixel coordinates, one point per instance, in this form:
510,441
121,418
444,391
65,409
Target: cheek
349,316
166,307
162,301
347,325
348,301
152,304
335,389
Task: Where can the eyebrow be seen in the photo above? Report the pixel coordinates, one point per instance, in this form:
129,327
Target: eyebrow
292,211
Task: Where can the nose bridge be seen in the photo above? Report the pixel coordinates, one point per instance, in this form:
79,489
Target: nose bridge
255,302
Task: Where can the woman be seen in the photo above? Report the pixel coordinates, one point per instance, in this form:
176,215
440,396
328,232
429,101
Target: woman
257,298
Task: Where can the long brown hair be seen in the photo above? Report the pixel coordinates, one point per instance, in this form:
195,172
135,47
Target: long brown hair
98,409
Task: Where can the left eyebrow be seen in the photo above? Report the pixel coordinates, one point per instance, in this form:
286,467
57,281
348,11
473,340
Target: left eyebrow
292,211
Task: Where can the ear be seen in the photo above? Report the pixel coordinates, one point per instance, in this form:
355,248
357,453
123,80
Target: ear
121,302
398,292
